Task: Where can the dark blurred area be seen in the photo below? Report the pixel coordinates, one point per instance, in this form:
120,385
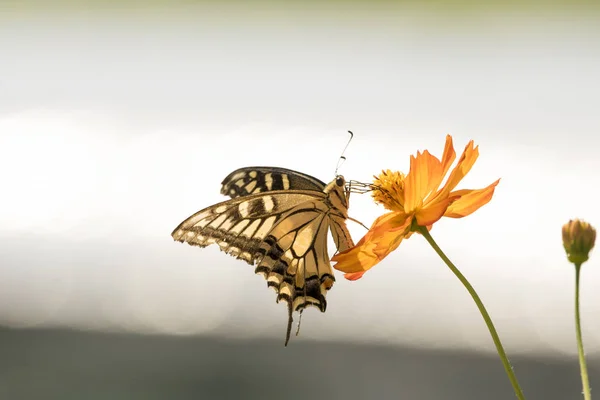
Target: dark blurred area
61,364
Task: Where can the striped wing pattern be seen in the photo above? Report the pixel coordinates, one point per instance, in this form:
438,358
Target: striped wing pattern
283,233
251,180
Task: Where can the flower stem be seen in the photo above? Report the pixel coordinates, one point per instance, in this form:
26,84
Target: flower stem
587,393
488,321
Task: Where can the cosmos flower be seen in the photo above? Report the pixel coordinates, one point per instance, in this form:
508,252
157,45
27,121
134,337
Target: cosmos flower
415,200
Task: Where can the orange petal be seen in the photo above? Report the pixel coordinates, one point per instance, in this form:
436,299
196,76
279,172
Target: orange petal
374,246
389,242
411,186
388,222
354,276
359,258
422,168
464,165
449,155
470,201
433,212
447,159
426,174
363,258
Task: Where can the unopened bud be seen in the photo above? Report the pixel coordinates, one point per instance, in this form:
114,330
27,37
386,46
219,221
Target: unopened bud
578,239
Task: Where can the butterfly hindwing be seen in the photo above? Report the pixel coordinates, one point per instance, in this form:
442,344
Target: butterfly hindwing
282,232
294,258
252,180
341,235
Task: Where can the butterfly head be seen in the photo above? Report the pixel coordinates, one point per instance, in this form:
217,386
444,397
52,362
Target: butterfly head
337,192
340,182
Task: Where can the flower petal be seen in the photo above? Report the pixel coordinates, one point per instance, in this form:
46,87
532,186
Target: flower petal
425,176
470,201
433,212
447,159
466,161
424,169
364,257
385,236
359,258
412,191
354,275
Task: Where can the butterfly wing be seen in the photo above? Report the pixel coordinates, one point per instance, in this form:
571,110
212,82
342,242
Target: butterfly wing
252,180
240,225
283,233
341,236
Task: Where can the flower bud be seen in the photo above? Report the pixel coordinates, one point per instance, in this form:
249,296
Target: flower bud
578,239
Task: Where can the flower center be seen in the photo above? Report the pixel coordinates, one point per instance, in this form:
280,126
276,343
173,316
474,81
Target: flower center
388,190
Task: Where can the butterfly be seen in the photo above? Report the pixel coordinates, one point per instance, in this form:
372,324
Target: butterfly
277,220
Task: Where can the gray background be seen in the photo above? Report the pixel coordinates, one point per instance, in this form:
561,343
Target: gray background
117,121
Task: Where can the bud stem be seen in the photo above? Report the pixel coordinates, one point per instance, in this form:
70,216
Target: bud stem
488,321
587,392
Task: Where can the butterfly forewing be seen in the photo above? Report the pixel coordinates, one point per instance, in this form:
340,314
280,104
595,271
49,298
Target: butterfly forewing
252,180
282,232
240,225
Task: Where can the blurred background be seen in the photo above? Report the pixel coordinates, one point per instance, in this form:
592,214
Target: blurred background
120,119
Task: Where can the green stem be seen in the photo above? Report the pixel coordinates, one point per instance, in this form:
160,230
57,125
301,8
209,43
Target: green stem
587,392
482,310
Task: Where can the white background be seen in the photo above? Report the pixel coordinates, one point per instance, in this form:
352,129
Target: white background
115,125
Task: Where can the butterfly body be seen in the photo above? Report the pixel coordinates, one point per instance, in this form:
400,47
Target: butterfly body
277,220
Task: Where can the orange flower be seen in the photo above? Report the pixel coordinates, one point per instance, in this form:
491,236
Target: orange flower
414,200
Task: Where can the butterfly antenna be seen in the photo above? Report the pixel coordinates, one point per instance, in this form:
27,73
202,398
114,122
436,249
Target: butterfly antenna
289,325
342,158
